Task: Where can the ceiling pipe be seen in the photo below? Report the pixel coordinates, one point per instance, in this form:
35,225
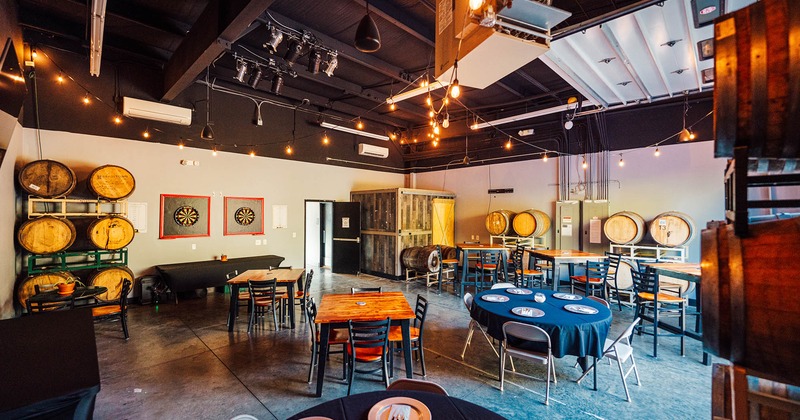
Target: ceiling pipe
598,20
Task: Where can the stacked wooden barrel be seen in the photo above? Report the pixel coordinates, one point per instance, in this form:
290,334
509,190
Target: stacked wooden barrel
424,259
48,234
526,223
670,229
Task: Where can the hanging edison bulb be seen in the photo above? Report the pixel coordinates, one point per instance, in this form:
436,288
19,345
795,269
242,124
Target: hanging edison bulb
475,4
289,149
392,106
657,153
508,144
429,100
621,161
544,158
359,124
584,165
252,153
325,139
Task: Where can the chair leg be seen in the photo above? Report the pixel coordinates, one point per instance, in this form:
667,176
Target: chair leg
683,329
553,365
547,386
469,338
350,373
655,330
385,371
275,319
635,371
123,319
624,382
502,365
251,318
421,356
313,361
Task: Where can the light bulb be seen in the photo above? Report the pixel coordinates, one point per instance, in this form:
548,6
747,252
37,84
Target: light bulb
657,153
544,158
180,146
86,99
429,100
436,129
214,151
508,144
446,100
475,4
691,135
455,90
392,106
621,162
584,165
60,78
289,150
431,113
146,134
252,153
117,120
436,143
325,139
360,125
33,53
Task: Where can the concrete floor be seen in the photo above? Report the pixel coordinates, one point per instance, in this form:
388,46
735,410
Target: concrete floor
181,362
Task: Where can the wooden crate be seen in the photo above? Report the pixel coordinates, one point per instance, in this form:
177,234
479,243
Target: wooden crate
391,221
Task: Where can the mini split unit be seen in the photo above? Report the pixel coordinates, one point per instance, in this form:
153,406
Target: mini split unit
156,111
365,149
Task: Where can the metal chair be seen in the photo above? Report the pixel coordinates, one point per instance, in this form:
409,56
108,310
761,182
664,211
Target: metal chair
243,299
396,334
648,297
524,277
446,266
502,286
263,297
336,336
301,296
600,301
354,290
405,384
528,333
115,310
594,279
620,350
41,307
473,324
611,276
368,344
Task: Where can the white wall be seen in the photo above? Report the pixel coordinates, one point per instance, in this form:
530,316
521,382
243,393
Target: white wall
684,178
11,139
312,233
157,170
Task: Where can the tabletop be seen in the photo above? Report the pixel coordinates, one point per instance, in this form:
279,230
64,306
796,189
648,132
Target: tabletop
79,293
283,275
357,406
480,246
570,333
683,271
337,308
563,253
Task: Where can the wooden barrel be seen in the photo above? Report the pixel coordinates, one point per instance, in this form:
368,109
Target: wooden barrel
448,252
756,86
45,281
531,223
750,314
46,235
498,222
47,178
672,228
112,279
625,227
111,182
624,279
421,258
109,232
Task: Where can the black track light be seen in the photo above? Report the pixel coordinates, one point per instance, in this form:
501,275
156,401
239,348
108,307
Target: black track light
275,38
314,61
277,84
294,52
256,77
331,64
241,70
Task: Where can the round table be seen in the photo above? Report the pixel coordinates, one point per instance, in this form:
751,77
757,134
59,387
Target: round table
357,406
570,333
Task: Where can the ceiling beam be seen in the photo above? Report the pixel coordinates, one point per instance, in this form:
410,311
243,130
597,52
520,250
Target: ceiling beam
221,23
400,18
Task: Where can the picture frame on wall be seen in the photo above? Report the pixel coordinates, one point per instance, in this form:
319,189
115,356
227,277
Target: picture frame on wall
184,216
244,216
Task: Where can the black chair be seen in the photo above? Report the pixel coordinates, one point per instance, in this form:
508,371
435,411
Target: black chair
243,299
446,266
524,277
301,295
407,384
611,278
593,281
337,336
368,344
648,298
263,297
47,306
354,290
115,310
396,334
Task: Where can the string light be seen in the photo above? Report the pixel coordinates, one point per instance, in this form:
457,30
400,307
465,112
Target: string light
621,161
325,139
117,120
180,145
252,153
436,142
289,149
508,144
436,129
392,106
431,114
60,78
584,165
33,53
429,100
544,158
146,133
86,99
657,153
359,125
214,151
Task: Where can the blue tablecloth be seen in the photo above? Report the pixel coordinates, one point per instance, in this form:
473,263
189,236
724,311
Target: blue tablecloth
570,333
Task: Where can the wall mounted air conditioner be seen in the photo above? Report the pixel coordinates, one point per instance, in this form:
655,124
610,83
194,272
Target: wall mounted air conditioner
374,151
138,108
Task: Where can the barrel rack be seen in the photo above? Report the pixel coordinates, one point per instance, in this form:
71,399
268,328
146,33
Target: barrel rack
649,253
78,260
40,207
532,242
737,181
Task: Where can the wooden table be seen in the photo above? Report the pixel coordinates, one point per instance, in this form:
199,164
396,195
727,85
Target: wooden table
285,277
563,256
335,310
689,272
464,249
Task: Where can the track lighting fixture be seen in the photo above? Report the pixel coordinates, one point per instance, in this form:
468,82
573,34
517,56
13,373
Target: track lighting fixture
256,77
275,38
241,70
257,115
314,61
331,64
294,52
277,83
368,38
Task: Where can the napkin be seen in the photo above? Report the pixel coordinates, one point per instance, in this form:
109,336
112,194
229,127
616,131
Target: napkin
400,412
527,311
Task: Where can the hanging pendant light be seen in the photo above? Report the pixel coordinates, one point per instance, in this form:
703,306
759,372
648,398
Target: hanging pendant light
208,133
368,38
686,134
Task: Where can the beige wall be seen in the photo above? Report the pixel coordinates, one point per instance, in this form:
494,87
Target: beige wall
11,134
157,170
684,178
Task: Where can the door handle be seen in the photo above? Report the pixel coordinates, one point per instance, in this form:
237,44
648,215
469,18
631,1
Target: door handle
356,240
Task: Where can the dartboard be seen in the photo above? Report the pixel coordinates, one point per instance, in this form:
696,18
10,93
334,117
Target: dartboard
244,216
186,216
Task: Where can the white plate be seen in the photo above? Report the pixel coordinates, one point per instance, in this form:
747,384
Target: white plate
581,309
528,312
518,291
380,411
566,296
495,298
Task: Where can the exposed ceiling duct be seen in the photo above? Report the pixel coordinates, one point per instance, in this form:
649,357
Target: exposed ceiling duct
98,23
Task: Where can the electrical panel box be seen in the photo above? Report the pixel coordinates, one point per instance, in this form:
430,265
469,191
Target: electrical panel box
594,214
568,224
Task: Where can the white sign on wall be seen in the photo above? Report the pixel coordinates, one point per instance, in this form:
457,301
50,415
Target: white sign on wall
137,214
280,216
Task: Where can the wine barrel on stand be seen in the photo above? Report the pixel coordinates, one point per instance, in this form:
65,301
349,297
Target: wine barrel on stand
625,227
45,281
421,258
498,222
672,228
109,232
47,178
110,278
111,182
531,222
46,235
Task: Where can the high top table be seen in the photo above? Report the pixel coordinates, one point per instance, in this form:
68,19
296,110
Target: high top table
285,277
464,249
335,310
563,256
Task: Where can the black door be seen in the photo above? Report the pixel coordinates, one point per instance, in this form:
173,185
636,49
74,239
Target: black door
346,237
